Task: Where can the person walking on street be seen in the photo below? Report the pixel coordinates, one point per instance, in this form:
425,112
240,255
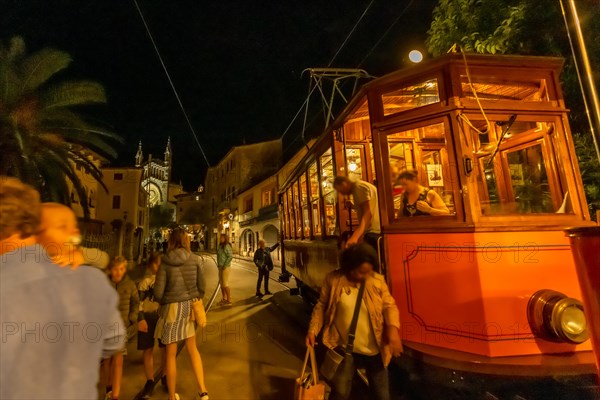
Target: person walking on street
147,319
264,263
36,294
179,284
364,197
224,257
129,303
377,336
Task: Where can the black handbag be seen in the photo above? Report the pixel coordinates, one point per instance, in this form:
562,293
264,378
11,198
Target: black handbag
338,369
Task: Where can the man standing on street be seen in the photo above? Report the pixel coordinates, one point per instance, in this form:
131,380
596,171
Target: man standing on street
264,262
57,323
364,196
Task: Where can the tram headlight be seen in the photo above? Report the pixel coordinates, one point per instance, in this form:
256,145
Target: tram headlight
554,316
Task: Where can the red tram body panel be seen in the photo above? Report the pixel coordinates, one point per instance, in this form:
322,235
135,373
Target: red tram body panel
469,291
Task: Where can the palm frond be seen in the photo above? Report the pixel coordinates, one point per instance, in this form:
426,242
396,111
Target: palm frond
68,170
37,68
67,94
10,84
65,119
15,49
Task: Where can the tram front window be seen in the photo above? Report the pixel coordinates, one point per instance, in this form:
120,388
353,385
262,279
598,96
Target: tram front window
519,174
419,171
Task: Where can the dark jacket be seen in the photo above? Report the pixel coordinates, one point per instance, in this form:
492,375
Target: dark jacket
129,300
262,257
179,278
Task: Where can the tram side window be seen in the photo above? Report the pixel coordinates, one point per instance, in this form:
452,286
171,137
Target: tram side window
329,195
354,160
304,205
419,171
286,217
315,204
291,213
520,178
297,211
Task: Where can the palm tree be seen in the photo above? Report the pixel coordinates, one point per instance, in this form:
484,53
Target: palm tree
42,137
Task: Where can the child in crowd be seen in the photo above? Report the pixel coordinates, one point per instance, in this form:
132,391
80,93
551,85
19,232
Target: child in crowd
129,302
60,236
147,318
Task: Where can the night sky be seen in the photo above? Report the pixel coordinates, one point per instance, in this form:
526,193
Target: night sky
236,64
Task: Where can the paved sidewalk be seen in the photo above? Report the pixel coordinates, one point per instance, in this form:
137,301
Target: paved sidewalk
251,350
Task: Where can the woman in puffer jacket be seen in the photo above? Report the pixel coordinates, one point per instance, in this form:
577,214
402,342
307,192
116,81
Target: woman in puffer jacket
179,282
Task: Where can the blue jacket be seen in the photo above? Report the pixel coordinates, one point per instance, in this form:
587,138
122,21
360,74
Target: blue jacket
224,256
57,324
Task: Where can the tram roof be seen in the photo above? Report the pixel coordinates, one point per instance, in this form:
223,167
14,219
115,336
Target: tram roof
423,70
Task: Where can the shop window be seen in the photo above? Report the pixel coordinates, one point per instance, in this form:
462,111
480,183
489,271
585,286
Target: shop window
422,152
409,97
315,202
329,195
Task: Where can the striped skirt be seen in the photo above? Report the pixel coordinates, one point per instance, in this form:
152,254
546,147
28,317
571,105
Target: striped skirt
175,322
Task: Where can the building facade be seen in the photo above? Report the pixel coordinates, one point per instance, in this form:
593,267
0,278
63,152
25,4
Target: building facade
157,173
241,168
258,218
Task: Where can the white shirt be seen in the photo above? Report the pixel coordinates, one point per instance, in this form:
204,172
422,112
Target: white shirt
364,342
362,192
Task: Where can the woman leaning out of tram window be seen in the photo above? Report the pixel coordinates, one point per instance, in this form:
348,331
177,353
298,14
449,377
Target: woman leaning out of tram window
377,335
179,282
418,200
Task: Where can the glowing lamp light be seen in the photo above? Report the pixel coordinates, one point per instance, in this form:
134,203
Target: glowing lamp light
415,56
352,167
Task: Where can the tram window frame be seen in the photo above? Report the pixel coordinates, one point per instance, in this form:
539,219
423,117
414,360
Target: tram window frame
297,210
315,200
291,212
544,135
330,193
286,217
450,173
420,80
304,206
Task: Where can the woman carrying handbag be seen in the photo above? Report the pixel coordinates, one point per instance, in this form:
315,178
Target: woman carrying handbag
360,323
308,386
179,289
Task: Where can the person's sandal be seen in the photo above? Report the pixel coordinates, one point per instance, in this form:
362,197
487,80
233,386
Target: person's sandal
203,395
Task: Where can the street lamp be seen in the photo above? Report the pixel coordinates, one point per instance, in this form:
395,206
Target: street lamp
415,56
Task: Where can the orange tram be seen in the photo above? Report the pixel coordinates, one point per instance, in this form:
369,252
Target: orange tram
488,295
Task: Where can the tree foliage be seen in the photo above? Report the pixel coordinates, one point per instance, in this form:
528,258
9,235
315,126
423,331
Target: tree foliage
531,28
482,26
160,217
43,139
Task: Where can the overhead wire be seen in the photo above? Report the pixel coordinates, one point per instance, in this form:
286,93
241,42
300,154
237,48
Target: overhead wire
385,33
350,33
162,63
304,103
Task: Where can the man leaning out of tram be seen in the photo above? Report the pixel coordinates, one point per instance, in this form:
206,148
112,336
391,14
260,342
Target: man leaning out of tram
377,335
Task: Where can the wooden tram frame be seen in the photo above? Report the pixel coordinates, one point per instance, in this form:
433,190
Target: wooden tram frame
309,257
